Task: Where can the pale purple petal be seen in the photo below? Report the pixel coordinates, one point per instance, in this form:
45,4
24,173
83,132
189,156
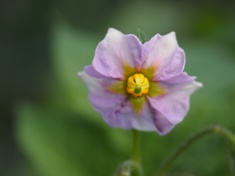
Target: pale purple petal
164,53
174,104
163,125
144,121
115,50
92,72
112,107
150,119
180,79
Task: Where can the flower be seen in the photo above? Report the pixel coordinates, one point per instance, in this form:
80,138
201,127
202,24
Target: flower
140,86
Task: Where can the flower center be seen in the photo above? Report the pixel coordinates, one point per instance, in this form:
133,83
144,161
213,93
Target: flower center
137,85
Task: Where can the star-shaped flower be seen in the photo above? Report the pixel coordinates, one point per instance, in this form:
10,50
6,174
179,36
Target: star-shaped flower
140,86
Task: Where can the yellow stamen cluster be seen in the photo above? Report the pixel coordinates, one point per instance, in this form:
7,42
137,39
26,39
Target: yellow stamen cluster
137,85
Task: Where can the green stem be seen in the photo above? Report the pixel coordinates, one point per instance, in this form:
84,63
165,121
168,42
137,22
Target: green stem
232,163
136,152
212,129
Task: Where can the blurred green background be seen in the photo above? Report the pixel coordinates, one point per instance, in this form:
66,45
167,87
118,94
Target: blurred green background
48,127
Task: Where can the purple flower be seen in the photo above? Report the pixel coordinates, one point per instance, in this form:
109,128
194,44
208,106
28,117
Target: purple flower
141,86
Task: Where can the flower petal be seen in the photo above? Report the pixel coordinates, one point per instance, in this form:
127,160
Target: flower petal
108,104
144,121
92,72
163,125
164,53
180,79
115,51
150,120
174,104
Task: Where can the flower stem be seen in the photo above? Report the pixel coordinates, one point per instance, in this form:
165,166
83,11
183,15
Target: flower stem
232,163
136,152
212,129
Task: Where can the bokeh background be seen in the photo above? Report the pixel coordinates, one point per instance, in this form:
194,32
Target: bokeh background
48,127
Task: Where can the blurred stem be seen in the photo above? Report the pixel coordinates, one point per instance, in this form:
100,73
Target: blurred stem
212,129
136,152
232,163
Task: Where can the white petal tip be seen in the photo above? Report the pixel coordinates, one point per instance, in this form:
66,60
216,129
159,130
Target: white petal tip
80,74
